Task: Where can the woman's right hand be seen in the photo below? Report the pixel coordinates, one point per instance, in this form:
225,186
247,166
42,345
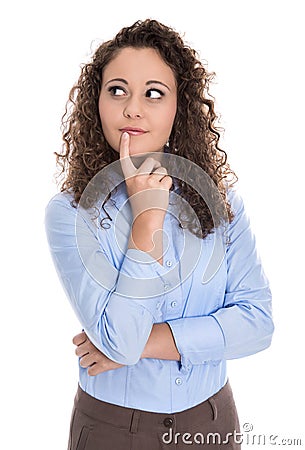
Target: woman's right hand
148,191
92,358
148,186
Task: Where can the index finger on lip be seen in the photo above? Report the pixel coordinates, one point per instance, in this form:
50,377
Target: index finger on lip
126,163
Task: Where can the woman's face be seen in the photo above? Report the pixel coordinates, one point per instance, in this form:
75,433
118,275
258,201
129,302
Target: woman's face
138,95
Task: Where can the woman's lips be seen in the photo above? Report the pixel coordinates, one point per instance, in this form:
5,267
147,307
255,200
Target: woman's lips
133,131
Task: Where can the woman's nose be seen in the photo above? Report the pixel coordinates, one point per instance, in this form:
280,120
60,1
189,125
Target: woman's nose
133,110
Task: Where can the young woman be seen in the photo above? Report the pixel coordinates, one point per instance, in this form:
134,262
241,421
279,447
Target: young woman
154,249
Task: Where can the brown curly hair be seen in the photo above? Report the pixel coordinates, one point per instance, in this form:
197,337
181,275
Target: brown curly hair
194,134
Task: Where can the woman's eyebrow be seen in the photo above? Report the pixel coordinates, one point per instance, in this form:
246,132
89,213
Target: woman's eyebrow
158,82
117,79
148,83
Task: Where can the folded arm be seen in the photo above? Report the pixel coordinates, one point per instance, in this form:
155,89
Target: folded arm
243,324
112,305
160,345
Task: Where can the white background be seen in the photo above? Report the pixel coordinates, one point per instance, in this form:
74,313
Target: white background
257,50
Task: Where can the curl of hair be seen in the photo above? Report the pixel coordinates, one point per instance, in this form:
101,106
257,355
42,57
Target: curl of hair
194,133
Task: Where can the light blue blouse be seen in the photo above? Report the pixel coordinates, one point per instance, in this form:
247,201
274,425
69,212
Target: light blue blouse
213,293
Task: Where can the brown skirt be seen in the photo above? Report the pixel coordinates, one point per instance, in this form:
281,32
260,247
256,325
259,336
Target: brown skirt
96,425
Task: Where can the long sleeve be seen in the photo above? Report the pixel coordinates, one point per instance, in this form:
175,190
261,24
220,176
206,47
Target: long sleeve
243,324
110,302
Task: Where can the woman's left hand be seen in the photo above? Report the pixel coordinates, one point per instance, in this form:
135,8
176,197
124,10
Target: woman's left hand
92,358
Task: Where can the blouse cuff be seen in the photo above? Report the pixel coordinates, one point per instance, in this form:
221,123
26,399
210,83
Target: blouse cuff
198,340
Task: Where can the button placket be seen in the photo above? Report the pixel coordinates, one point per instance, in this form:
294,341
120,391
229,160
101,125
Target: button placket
178,381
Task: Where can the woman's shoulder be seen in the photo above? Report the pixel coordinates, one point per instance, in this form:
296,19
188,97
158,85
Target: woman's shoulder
235,198
60,207
63,198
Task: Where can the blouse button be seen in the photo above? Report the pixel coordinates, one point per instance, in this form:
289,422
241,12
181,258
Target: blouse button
178,381
174,304
169,263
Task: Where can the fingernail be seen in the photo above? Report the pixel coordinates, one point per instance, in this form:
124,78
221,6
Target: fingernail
125,135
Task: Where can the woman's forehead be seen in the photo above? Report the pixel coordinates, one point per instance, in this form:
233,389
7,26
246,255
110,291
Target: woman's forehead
139,64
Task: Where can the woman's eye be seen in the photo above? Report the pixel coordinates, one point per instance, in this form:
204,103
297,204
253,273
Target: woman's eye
116,91
154,93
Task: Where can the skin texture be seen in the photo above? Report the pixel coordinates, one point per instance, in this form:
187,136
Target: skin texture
145,99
